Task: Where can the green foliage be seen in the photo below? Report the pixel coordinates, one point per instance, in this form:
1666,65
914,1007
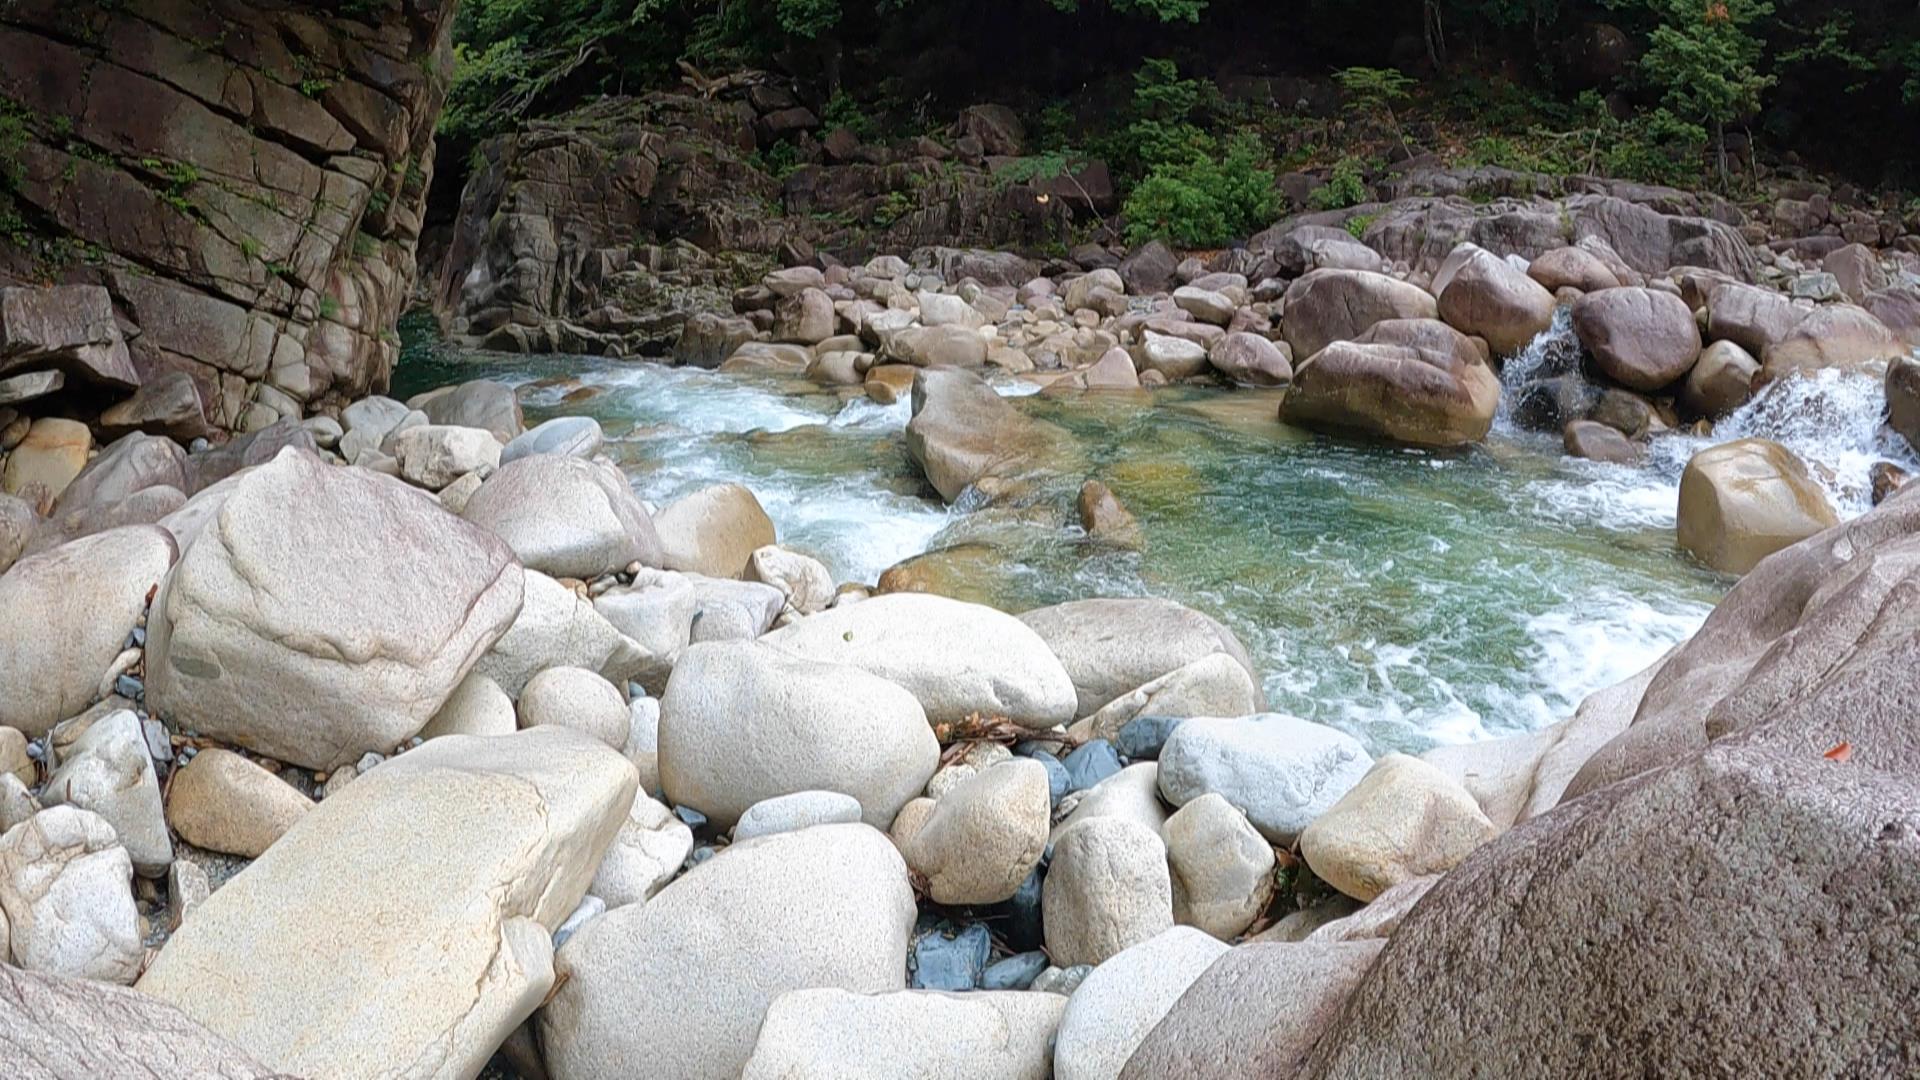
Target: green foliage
1705,62
1373,90
1346,187
329,308
893,206
1360,223
779,161
842,111
1164,10
1205,200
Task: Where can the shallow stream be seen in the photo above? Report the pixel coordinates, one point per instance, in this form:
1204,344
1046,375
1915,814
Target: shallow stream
1408,597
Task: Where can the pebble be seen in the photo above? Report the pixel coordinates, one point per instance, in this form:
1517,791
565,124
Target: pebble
1091,763
939,962
368,761
702,854
1062,981
1141,738
129,686
159,746
1058,782
1016,972
694,819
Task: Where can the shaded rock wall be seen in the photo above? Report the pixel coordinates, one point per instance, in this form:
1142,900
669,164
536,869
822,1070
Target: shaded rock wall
245,178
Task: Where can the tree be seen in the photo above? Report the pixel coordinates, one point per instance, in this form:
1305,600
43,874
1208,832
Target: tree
1704,58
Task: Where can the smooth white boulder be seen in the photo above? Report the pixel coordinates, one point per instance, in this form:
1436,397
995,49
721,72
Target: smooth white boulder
65,615
985,835
565,516
558,627
576,698
1222,867
1281,770
957,658
830,1034
66,895
743,721
107,770
1107,890
646,854
678,986
1110,1014
325,613
404,926
800,810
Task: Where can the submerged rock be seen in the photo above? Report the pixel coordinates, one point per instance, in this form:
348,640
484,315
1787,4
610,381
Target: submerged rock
962,432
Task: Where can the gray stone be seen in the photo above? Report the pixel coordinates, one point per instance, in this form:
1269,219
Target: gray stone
566,517
566,436
1281,770
1111,646
107,770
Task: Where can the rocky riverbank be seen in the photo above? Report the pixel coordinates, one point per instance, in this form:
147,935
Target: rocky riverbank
405,738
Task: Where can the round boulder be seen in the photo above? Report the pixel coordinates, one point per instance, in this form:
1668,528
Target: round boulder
713,531
1281,770
575,698
985,835
1643,339
1405,819
1742,501
1482,294
744,721
1327,306
1418,382
1107,889
566,517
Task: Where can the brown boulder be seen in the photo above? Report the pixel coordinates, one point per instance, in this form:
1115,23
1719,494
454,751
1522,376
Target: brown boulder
1742,501
1751,317
1483,295
962,432
1857,269
1418,382
1252,360
1721,381
1833,336
1903,398
1572,268
1340,305
1899,309
1598,442
1640,338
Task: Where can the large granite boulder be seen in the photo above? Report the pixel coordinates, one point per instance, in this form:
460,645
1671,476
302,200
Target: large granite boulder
963,433
1903,399
1418,382
1112,645
830,1034
326,612
1744,500
566,517
441,873
65,615
743,721
682,982
1643,339
1485,296
1833,336
1327,306
713,531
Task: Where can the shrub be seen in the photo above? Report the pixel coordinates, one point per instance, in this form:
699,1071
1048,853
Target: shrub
1205,200
1346,187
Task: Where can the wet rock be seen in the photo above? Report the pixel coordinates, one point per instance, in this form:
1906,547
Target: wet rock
1282,771
450,866
962,432
245,639
1903,399
1833,336
223,802
1598,442
742,722
1887,478
708,339
1721,381
685,980
1742,501
1104,518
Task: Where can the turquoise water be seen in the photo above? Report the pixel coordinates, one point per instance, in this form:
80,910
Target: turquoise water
1408,597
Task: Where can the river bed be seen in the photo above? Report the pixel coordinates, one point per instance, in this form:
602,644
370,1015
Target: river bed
1410,598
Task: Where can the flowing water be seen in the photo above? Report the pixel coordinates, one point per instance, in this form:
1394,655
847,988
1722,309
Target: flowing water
1408,597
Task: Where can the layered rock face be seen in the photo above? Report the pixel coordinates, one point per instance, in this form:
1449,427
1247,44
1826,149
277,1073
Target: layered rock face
603,230
227,190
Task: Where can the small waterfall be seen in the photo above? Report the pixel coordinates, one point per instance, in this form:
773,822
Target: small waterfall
1542,384
1834,420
